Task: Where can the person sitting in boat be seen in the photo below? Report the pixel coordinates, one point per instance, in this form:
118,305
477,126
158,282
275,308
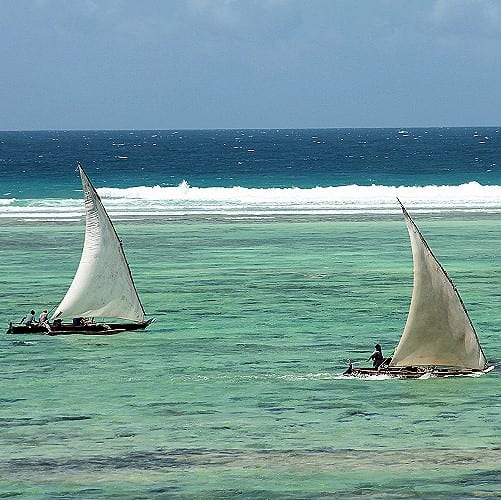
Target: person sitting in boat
43,318
377,357
29,319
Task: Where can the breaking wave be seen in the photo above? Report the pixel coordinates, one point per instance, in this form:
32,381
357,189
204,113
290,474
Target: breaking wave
186,199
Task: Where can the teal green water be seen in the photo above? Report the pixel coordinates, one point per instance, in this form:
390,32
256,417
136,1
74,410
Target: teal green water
235,390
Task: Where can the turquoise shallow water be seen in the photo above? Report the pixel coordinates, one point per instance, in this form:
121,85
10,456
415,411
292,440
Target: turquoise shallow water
235,390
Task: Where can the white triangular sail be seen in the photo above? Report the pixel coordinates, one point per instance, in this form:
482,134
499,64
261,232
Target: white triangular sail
438,331
103,285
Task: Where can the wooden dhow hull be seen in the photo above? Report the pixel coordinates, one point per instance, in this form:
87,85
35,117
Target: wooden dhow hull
414,372
70,329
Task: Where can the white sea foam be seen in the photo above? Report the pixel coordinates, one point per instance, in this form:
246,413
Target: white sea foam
186,199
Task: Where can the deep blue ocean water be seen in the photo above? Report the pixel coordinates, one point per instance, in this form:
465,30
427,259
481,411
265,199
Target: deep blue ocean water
268,257
33,162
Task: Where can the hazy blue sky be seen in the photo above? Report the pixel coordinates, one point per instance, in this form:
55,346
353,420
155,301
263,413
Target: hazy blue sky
148,64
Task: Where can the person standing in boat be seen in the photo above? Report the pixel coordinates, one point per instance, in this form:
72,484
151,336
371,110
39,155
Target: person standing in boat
377,357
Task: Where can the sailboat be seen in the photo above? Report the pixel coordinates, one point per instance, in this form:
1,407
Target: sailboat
439,339
102,287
